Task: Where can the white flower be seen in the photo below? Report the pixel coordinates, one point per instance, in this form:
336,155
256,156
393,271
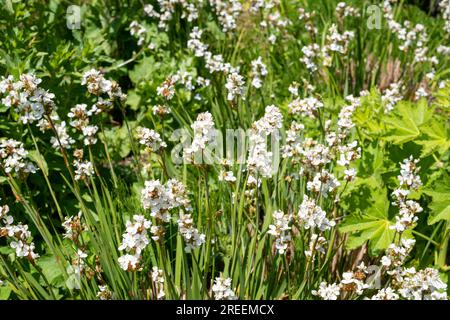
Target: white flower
13,157
192,238
150,139
137,30
280,230
162,198
204,134
166,89
259,70
350,283
350,174
73,227
135,238
235,86
323,183
327,291
408,176
311,215
104,293
129,262
227,176
306,107
259,158
158,280
310,55
222,289
64,138
83,169
391,96
385,294
89,133
316,244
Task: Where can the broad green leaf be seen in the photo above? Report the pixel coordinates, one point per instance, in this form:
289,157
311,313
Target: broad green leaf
403,126
440,204
5,292
369,221
436,138
51,270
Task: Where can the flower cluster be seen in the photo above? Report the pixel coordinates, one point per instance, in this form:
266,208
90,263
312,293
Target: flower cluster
306,107
160,199
403,283
189,11
13,158
311,216
83,169
259,158
222,289
158,282
227,12
104,293
138,31
204,134
235,86
391,96
150,139
408,209
19,235
259,70
73,227
351,283
134,241
192,238
26,97
281,230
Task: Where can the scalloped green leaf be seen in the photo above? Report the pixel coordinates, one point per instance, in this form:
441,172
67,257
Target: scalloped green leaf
440,204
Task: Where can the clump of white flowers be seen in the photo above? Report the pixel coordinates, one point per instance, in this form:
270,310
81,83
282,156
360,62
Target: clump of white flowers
323,182
150,139
138,31
337,42
259,70
408,209
134,241
160,200
306,107
259,159
391,96
166,89
311,216
83,169
19,235
227,13
222,289
73,227
327,291
204,134
81,115
98,85
345,10
158,282
235,86
311,53
13,158
26,97
192,238
189,11
280,229
104,293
